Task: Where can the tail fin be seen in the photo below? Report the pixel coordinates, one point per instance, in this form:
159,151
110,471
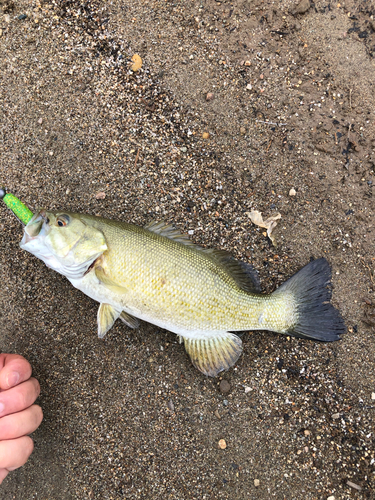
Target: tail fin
316,318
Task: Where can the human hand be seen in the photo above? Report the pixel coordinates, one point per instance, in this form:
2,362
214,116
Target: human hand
18,415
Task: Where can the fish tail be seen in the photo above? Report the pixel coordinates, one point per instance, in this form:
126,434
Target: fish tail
314,316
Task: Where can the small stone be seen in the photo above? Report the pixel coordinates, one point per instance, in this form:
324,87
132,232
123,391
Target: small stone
302,7
292,192
224,386
225,402
1,32
373,396
335,416
170,405
222,444
67,191
100,195
247,389
205,135
209,96
306,432
242,131
247,63
7,18
353,485
40,121
21,17
256,483
249,86
331,498
137,63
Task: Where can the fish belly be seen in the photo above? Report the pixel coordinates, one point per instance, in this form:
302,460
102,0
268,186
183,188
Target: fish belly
206,317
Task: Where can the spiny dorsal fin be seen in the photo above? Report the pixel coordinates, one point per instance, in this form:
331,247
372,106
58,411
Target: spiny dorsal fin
212,356
170,232
107,315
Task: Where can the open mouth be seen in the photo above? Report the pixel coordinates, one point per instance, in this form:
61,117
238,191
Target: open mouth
34,227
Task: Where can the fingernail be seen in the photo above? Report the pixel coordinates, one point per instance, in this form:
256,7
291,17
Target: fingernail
2,407
12,379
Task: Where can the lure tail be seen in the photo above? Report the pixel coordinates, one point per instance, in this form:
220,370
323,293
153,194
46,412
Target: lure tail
16,206
316,317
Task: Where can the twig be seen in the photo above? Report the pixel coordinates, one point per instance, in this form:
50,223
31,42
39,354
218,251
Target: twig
350,98
136,158
272,123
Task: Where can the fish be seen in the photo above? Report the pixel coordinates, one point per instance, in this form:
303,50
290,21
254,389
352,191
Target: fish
156,274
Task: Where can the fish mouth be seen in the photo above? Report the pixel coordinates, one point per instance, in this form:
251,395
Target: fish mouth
35,226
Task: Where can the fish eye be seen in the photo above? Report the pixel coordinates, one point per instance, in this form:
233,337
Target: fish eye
63,220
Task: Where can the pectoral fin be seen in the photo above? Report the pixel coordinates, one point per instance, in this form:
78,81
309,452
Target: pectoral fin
103,278
107,315
129,320
212,356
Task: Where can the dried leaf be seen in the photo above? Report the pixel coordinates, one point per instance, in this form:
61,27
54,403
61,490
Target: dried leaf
137,60
269,224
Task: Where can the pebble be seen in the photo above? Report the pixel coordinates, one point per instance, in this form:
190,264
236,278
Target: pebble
373,396
292,192
100,195
21,17
302,7
335,416
307,432
40,121
331,498
170,405
247,389
222,444
225,402
205,135
353,485
224,386
256,483
209,96
242,130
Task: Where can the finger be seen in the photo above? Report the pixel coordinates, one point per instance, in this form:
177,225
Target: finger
14,369
15,452
19,398
3,474
21,423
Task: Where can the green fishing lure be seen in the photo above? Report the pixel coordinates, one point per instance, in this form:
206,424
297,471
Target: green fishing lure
16,206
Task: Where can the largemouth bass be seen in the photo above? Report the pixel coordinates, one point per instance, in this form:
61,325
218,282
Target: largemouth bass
158,275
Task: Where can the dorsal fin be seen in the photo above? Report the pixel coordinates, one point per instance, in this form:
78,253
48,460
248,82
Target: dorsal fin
170,232
243,274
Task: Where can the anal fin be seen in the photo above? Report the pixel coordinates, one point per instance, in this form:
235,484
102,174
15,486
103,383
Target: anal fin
107,315
214,355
